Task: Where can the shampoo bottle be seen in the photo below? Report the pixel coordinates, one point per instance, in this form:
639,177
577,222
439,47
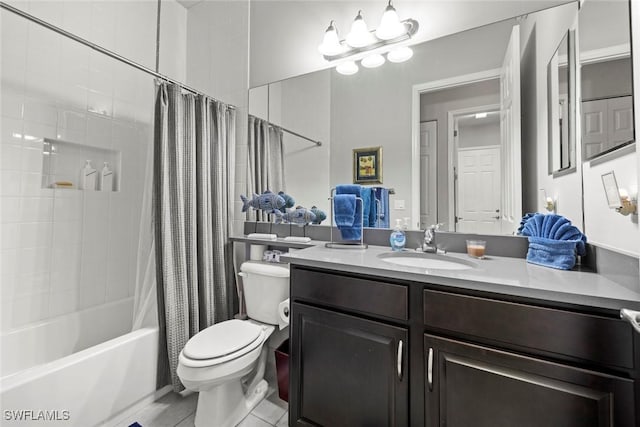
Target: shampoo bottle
397,238
106,178
88,177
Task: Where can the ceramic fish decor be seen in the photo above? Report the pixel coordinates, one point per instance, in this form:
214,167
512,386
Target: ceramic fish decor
266,201
320,215
289,201
300,216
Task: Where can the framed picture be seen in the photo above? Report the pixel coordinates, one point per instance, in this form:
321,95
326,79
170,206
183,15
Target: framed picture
367,165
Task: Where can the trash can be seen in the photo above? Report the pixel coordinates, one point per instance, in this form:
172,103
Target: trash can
282,370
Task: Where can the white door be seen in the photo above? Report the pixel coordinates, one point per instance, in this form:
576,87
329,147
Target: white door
428,187
594,126
478,191
511,209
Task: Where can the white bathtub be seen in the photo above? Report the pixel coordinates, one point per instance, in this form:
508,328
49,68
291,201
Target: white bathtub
85,388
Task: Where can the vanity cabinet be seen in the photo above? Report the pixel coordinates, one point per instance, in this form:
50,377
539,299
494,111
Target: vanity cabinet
520,364
370,351
472,385
348,367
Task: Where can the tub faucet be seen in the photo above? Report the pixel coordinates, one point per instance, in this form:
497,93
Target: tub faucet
429,236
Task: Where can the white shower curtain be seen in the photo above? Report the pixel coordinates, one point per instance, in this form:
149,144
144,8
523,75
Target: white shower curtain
265,169
194,165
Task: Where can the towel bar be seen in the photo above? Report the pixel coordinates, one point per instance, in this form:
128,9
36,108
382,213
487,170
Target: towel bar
347,245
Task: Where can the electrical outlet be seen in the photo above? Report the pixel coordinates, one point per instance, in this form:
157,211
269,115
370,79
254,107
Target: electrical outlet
398,205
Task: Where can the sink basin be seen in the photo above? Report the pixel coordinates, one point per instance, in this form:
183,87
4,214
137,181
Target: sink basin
426,260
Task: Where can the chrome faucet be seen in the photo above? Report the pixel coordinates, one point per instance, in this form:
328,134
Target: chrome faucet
429,236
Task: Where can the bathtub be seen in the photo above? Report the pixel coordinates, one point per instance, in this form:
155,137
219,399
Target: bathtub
85,388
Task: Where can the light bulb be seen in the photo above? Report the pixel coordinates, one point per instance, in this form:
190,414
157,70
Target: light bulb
400,54
359,35
331,42
347,68
390,25
373,61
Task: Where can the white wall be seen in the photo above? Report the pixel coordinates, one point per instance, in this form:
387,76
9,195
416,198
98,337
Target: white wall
602,226
436,106
307,111
540,35
67,250
373,107
217,64
285,34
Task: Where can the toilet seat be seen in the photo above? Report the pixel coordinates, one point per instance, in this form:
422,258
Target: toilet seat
222,342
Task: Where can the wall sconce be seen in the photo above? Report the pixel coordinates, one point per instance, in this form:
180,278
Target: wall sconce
360,40
617,198
549,203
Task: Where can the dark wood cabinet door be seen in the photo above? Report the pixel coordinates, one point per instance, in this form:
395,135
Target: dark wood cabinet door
471,385
346,371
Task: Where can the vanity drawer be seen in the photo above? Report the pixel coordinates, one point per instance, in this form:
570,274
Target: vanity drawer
350,293
602,340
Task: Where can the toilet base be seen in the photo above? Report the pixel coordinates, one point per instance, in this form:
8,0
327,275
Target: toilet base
226,405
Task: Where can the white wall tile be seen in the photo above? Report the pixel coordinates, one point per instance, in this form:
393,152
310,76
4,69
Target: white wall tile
77,18
11,131
103,24
11,157
10,209
10,235
36,234
49,11
10,183
67,232
31,160
30,309
12,102
35,260
37,209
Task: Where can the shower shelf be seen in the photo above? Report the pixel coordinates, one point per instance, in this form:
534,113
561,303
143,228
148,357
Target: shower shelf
63,161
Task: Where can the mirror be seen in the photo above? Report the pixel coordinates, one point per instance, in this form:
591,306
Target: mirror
560,109
374,108
606,77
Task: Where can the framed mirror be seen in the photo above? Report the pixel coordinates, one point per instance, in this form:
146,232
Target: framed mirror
561,107
606,71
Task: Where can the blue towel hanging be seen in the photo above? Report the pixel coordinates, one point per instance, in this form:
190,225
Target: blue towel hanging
353,231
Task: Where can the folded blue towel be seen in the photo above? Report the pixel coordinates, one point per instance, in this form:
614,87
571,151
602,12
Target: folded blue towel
365,194
554,227
560,254
354,231
344,209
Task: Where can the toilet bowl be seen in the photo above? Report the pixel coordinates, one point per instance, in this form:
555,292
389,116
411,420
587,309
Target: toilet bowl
225,362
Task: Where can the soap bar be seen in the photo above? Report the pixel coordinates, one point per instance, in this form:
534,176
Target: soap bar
297,239
263,236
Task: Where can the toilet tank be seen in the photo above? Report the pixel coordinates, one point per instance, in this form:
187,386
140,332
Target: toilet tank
265,286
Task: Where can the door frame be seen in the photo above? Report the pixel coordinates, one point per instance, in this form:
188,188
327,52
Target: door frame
416,91
452,152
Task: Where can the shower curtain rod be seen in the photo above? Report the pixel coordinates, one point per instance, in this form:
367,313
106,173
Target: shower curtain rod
107,52
318,143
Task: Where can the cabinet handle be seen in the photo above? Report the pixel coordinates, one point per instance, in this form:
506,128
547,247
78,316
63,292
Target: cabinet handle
632,317
430,369
399,360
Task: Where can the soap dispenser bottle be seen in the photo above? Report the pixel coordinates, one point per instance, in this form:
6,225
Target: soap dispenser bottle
88,177
397,238
106,178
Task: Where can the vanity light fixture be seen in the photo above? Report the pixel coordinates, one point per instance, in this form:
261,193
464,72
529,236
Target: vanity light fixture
618,198
373,60
360,39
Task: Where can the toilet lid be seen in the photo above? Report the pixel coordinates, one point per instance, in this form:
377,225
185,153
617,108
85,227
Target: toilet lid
221,339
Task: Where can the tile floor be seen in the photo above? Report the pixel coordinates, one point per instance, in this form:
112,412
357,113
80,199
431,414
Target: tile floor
174,410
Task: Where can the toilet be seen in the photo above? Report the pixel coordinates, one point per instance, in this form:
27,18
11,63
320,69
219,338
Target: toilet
225,362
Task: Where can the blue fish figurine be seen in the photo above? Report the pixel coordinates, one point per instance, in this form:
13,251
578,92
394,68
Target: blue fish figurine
289,201
266,201
300,216
320,215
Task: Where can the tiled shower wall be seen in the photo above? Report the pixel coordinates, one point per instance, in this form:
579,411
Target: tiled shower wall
65,250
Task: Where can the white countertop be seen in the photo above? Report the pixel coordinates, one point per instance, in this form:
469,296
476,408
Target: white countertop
507,276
